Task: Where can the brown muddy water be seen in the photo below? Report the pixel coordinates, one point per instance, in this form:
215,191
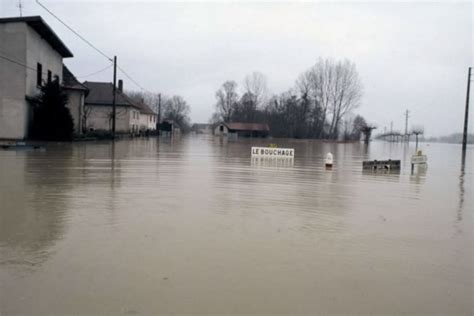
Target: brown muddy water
195,226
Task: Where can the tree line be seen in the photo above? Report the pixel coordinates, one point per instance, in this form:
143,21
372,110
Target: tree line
319,105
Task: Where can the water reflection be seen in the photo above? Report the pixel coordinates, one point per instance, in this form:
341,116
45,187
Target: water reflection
33,208
462,175
272,162
145,224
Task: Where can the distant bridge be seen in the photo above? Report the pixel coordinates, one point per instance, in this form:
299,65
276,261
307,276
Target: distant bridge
394,137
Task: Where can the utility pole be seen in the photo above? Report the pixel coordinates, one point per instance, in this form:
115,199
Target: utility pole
159,112
20,6
407,138
466,113
113,97
391,131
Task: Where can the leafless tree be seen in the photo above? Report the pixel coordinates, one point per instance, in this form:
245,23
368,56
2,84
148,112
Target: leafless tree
149,98
346,92
177,110
86,113
255,85
417,130
334,88
227,99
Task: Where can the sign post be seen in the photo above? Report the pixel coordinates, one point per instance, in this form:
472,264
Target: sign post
418,159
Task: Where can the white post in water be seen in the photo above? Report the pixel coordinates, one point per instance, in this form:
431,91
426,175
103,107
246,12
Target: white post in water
329,160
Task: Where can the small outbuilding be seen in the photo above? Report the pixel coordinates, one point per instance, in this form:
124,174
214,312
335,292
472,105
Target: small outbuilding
242,129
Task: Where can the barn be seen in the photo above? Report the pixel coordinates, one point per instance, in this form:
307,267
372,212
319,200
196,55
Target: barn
242,129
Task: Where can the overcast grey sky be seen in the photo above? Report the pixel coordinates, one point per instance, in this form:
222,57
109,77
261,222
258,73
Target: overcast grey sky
411,55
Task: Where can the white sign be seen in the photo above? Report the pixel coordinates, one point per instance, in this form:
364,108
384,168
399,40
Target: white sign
273,152
419,159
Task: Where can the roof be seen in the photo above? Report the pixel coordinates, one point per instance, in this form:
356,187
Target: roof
70,81
43,29
101,93
145,109
247,126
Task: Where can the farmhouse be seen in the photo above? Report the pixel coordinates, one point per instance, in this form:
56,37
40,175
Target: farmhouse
242,129
131,117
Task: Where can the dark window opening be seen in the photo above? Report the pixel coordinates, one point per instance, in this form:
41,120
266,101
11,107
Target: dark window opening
49,76
39,74
221,128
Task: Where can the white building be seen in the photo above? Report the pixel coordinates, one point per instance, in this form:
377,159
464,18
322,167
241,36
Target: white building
131,117
30,55
76,93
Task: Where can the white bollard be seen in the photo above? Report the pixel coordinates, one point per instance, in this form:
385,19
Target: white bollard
329,160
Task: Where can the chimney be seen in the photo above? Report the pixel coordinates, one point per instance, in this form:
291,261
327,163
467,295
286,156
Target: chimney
120,85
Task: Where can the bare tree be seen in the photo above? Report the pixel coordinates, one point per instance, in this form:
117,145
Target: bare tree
149,98
334,89
346,92
255,85
177,110
227,99
417,130
86,113
317,82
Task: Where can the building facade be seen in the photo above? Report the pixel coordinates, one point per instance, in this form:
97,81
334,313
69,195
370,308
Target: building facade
131,117
76,94
31,55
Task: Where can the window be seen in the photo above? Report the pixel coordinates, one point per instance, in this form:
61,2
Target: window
221,128
39,74
49,76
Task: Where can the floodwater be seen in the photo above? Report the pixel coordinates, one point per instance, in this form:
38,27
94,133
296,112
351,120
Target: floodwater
193,225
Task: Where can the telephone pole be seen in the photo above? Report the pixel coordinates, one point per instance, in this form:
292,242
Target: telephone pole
407,138
466,113
20,6
391,131
159,113
113,97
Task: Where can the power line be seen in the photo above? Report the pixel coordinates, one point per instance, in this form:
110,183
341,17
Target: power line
72,30
17,62
96,72
23,65
91,45
131,79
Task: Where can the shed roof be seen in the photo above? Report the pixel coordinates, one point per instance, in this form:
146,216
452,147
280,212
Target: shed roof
43,29
247,126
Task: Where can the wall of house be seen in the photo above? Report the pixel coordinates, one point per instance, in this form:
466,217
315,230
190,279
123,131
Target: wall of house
75,105
13,106
148,121
221,129
22,44
98,118
152,124
134,120
39,51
